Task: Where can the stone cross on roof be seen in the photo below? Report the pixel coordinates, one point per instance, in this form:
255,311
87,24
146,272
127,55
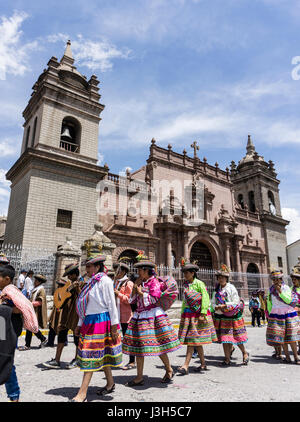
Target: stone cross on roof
196,148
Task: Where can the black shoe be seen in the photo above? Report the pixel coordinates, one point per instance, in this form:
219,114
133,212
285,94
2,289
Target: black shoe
43,344
166,379
182,371
132,383
225,364
104,391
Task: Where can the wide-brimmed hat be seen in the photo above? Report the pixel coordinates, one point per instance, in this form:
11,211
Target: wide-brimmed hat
144,263
223,271
121,265
190,267
96,260
41,278
61,282
69,268
295,272
276,274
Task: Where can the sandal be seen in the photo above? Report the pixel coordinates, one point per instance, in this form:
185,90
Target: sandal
233,349
246,360
103,391
128,366
224,363
297,362
22,348
201,368
182,371
285,360
132,383
166,379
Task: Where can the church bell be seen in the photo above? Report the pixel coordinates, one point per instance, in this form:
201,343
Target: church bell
66,134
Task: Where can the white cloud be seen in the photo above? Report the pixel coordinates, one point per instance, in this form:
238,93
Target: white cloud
100,161
221,117
8,147
92,53
293,229
4,192
124,170
13,54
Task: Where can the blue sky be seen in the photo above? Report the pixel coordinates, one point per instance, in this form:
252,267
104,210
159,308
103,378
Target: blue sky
175,70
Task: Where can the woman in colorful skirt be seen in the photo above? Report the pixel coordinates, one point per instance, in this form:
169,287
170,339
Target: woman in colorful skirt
228,318
283,324
196,326
295,276
98,329
149,331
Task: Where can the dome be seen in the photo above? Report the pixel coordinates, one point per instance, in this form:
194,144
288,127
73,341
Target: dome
251,155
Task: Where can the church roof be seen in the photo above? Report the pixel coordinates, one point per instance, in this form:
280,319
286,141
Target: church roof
251,153
67,61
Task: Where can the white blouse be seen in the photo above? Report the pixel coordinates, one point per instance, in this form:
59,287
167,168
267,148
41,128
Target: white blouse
232,297
278,304
102,299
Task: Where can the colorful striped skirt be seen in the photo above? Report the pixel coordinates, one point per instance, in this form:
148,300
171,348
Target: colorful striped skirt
193,332
150,333
283,327
96,349
230,329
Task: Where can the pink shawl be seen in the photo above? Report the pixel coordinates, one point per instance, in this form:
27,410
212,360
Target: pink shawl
24,305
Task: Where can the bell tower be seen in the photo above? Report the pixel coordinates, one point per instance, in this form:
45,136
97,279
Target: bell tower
53,183
256,190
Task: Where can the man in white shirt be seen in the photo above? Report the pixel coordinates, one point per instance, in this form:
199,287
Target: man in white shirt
21,279
28,284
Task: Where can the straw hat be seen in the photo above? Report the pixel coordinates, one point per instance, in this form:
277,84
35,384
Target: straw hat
223,271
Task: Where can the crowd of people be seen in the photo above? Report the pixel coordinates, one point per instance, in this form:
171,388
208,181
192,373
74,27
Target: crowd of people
105,304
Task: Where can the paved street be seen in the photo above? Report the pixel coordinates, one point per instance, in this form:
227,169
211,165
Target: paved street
264,379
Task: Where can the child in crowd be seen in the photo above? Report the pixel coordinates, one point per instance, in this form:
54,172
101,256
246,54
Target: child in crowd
254,307
11,296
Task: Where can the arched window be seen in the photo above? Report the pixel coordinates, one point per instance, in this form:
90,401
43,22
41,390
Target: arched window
34,131
27,137
271,203
70,134
200,254
252,206
241,201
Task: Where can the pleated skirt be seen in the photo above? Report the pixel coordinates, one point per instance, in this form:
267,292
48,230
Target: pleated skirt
193,332
150,333
283,327
230,329
96,349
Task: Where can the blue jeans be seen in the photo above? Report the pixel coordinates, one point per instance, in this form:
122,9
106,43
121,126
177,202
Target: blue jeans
12,386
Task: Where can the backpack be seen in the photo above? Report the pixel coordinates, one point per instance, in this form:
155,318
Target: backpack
169,290
193,300
8,341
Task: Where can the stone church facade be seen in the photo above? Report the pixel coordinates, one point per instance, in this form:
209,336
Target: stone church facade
174,206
